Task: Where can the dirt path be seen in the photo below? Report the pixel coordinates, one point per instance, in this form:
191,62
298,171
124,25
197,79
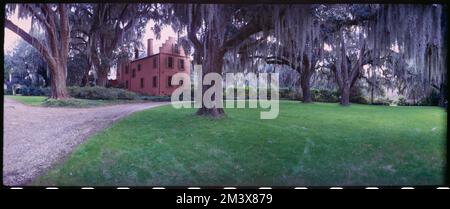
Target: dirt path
34,138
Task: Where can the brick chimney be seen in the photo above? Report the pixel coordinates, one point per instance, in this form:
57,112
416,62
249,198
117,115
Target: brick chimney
136,53
149,47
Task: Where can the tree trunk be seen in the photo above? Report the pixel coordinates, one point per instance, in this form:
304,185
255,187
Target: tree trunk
442,93
213,66
58,82
212,112
305,78
306,87
85,78
345,95
102,76
212,62
56,27
371,94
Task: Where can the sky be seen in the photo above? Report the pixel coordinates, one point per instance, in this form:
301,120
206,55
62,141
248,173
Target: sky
11,39
165,34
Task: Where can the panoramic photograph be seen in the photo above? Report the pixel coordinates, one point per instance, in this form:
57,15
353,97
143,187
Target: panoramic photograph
224,95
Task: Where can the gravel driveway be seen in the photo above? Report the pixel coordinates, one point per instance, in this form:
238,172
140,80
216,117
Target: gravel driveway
34,138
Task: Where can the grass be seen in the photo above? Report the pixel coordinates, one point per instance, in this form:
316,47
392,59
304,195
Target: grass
82,103
72,102
28,100
308,144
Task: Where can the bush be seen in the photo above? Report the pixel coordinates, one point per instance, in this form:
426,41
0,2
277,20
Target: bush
80,103
402,102
68,103
155,98
97,92
357,96
359,100
431,100
34,91
386,102
285,93
324,95
229,91
8,91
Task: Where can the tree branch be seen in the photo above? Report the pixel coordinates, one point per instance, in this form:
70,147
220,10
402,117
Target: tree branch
249,29
30,40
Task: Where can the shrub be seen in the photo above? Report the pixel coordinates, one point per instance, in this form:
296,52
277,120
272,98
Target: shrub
324,95
386,102
155,98
8,91
34,91
402,102
126,95
97,92
431,100
285,93
72,102
229,91
359,99
357,96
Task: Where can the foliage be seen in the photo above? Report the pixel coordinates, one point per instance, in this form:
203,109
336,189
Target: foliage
402,102
385,102
431,100
81,103
77,67
324,95
155,98
121,26
34,91
7,91
26,65
101,93
357,96
52,21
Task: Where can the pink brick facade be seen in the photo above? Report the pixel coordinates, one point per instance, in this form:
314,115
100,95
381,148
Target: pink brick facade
151,74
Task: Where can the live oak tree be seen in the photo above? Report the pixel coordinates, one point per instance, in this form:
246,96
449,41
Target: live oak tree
364,35
295,38
53,20
214,30
105,32
25,66
418,32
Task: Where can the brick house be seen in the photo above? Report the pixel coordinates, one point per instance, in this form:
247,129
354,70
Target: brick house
152,74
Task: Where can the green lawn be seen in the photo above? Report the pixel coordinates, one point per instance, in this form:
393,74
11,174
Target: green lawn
308,144
72,102
29,100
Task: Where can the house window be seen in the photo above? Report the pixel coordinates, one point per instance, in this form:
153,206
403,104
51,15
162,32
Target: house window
155,81
126,84
169,81
142,83
126,69
170,62
134,73
175,49
181,64
154,62
139,67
